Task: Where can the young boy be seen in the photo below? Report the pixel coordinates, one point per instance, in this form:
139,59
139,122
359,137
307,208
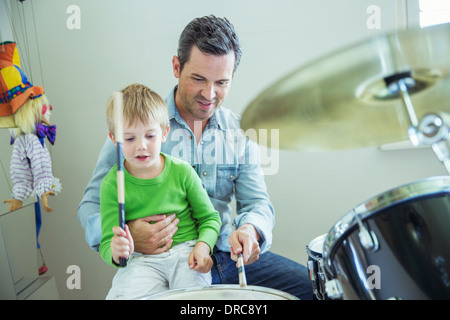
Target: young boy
155,183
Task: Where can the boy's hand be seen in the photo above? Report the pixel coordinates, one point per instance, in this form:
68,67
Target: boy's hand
121,244
199,259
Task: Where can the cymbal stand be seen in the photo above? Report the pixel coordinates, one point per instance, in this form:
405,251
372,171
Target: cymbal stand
433,129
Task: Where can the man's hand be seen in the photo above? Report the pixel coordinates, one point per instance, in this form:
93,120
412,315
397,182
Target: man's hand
153,238
245,240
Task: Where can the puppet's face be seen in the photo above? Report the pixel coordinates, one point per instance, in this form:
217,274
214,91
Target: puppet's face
46,108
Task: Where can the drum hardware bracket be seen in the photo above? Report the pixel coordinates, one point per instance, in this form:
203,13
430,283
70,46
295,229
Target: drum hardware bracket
396,77
367,238
334,289
433,130
313,278
440,265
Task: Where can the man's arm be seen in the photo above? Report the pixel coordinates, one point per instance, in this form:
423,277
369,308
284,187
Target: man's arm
89,208
255,214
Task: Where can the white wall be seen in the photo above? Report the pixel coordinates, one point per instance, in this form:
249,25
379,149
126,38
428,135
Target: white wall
133,41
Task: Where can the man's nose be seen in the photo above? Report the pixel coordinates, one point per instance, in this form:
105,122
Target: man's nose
208,91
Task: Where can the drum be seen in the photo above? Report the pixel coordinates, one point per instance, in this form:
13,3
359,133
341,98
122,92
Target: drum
224,292
314,249
394,246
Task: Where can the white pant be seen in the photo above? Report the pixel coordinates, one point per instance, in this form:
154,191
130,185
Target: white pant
145,275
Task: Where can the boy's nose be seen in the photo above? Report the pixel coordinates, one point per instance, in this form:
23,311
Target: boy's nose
141,145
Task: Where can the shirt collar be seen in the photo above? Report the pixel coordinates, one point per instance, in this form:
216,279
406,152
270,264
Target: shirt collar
171,107
216,120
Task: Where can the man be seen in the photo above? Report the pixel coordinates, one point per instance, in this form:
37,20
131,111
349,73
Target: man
208,137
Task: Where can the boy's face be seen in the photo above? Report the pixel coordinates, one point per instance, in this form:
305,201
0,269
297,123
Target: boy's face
142,146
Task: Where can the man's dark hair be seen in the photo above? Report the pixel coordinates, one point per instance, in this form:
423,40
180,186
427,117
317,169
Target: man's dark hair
211,35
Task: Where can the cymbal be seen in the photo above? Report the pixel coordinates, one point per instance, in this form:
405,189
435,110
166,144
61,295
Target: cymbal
342,100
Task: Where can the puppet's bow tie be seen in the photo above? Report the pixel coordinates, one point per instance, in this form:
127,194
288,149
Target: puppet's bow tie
43,131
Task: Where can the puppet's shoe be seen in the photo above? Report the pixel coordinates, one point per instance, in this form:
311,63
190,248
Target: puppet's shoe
43,269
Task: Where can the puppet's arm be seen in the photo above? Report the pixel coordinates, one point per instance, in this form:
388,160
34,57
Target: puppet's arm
31,168
21,175
14,204
41,168
45,200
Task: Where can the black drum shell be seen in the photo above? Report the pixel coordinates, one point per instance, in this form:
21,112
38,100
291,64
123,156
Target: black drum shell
412,258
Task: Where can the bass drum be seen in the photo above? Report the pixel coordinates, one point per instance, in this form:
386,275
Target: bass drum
394,246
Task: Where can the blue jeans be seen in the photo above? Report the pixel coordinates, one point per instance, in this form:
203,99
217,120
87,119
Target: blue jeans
270,271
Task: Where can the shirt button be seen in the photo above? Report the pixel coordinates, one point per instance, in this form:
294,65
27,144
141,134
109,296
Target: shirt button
205,173
231,176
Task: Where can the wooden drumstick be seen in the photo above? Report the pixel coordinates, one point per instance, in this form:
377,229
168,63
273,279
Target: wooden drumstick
118,128
241,270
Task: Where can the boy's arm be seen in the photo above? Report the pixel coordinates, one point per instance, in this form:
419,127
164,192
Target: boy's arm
109,218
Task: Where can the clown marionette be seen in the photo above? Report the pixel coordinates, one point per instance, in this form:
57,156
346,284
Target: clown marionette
27,108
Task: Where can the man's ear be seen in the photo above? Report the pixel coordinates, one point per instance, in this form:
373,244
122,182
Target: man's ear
165,134
176,66
112,138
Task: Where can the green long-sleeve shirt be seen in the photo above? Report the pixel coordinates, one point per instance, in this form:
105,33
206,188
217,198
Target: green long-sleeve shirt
178,189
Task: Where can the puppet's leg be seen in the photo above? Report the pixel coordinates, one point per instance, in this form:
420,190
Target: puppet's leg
37,212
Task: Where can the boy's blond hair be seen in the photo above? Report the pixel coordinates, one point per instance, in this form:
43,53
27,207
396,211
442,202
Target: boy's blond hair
140,103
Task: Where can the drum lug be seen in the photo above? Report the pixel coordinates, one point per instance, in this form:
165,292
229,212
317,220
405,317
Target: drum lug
333,289
312,277
367,238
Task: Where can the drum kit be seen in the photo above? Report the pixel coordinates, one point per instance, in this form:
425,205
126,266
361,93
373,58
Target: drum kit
390,88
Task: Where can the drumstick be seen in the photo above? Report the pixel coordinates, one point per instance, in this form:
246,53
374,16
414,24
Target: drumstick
118,128
241,270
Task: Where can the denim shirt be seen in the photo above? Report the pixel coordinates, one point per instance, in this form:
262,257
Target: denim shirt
227,162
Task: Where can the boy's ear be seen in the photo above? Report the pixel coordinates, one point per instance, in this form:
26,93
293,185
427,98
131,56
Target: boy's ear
165,134
112,138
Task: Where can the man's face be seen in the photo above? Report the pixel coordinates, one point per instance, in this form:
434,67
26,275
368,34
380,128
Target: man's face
203,84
